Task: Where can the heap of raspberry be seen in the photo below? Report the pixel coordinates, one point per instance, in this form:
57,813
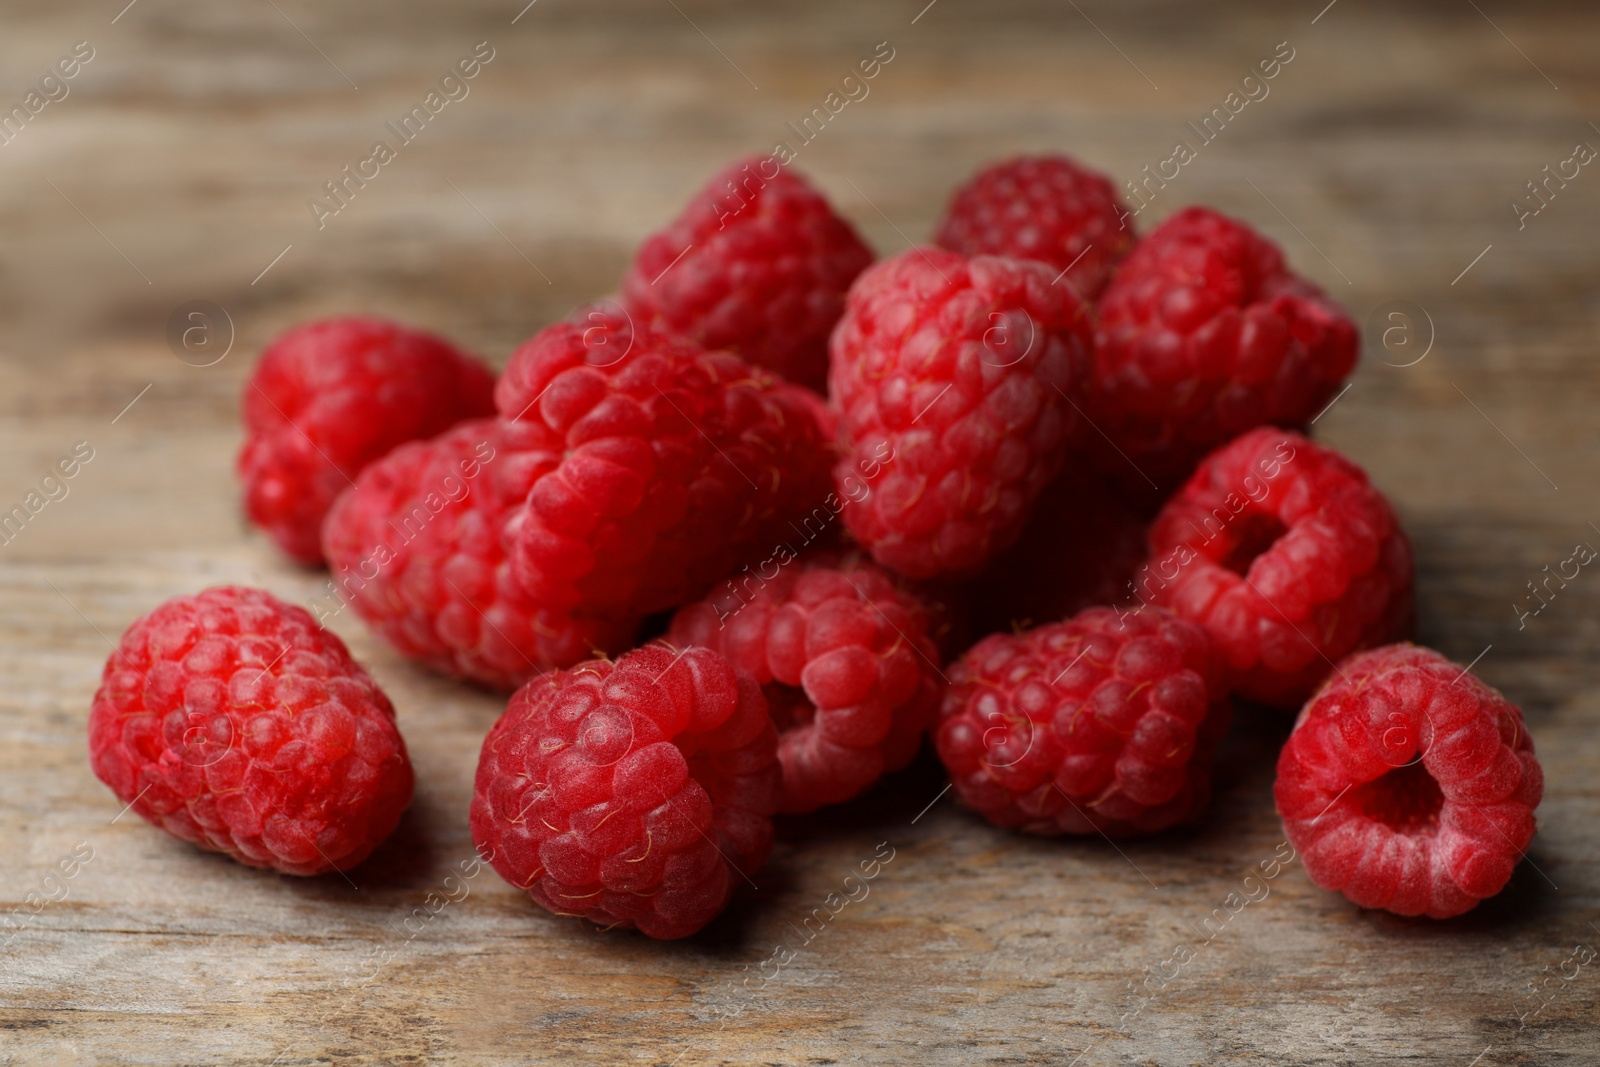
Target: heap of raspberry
666,465
758,263
636,793
1204,334
328,398
846,662
1048,208
232,721
1409,785
417,547
952,377
1082,548
1105,723
1285,552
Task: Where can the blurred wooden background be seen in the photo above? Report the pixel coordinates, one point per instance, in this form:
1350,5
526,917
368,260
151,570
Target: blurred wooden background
177,167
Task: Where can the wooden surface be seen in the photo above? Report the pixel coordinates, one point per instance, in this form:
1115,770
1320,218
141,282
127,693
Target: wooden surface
1385,159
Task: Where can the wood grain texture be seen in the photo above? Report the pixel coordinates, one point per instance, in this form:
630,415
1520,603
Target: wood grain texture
1384,159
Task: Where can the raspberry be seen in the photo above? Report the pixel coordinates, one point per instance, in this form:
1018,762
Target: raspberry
758,263
634,793
1048,208
1289,556
1409,785
666,465
418,548
1100,723
952,376
232,721
328,398
1081,549
845,660
1204,334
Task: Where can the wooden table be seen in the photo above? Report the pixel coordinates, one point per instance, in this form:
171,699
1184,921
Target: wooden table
1385,159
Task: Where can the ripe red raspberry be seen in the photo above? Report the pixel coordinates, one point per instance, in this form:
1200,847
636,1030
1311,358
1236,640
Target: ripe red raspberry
758,263
328,398
1204,334
1101,723
1048,208
636,793
952,376
418,548
846,662
1081,549
667,465
1289,556
1409,785
232,721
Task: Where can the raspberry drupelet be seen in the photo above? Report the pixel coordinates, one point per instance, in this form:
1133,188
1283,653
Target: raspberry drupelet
954,376
329,397
757,264
845,659
232,721
635,793
1291,559
1105,722
1204,333
1049,208
1409,784
669,464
